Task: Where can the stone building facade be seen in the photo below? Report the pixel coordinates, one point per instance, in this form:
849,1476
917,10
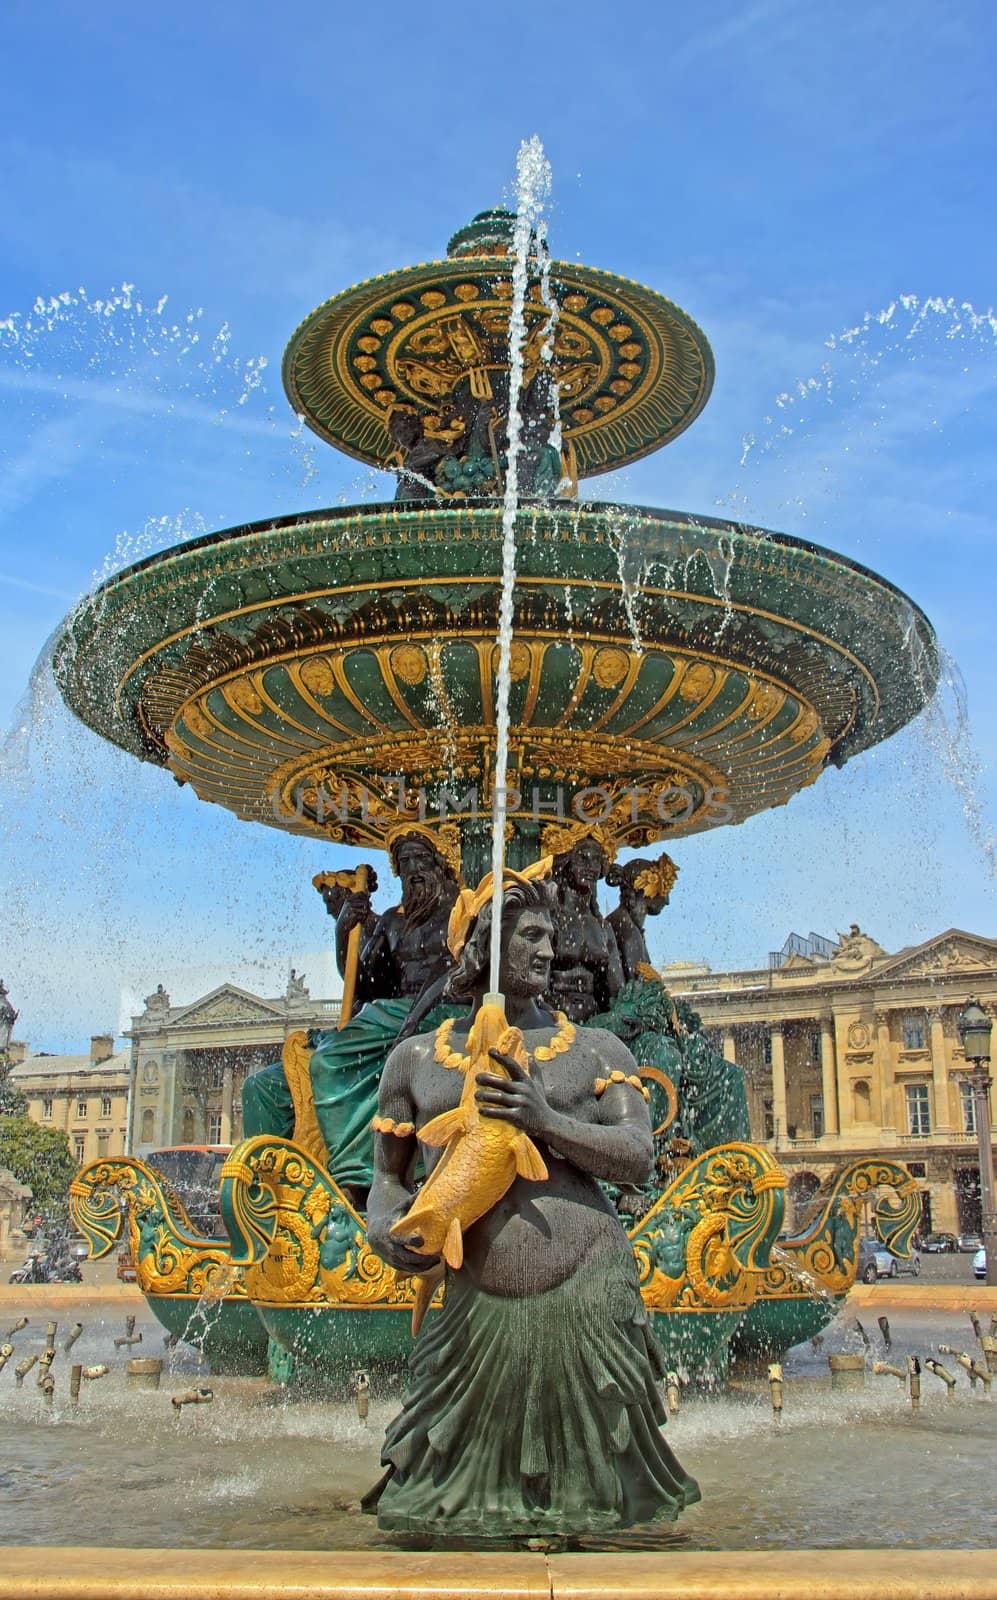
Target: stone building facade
187,1063
850,1051
84,1095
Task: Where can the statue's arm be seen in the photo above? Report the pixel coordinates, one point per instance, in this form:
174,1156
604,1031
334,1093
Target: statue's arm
618,1147
394,1163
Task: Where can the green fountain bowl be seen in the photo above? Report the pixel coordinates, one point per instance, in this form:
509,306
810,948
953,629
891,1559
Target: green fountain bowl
332,672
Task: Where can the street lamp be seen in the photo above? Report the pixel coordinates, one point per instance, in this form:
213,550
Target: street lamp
974,1030
8,1016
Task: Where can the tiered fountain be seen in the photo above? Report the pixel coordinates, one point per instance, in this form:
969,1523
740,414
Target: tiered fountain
333,674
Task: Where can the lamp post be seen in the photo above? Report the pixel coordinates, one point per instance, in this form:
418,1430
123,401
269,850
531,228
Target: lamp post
8,1016
974,1030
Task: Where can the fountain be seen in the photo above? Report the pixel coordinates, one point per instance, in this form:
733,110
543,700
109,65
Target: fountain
342,675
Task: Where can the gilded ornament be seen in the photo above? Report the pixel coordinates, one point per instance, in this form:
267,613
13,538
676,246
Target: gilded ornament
197,722
317,675
520,659
432,299
610,667
765,701
408,662
466,291
603,315
241,694
402,310
658,880
602,1084
381,325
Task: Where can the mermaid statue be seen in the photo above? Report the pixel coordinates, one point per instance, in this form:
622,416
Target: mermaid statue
532,1410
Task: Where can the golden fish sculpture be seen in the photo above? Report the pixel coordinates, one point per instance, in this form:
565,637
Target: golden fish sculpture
482,1159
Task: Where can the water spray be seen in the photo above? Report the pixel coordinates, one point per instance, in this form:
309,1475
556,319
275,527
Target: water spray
533,180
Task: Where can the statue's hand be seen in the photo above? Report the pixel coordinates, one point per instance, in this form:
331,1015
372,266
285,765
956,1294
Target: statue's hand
355,912
519,1099
392,1250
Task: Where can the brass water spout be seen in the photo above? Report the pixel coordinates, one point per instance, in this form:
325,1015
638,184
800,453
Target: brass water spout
977,1374
775,1388
75,1374
672,1391
194,1397
99,1371
72,1337
914,1371
23,1368
6,1351
881,1368
22,1322
943,1373
361,1384
129,1337
884,1328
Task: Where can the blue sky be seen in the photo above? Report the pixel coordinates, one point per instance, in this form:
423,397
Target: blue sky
785,171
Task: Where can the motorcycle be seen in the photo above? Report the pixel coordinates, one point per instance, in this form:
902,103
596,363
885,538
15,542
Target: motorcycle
31,1271
53,1268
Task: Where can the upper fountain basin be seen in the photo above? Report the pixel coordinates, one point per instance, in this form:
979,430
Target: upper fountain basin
685,669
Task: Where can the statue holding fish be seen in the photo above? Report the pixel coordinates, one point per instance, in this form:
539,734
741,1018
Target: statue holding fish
532,1410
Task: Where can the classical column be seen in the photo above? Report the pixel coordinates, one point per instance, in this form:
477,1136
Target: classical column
939,1074
226,1133
828,1073
730,1048
778,1083
888,1114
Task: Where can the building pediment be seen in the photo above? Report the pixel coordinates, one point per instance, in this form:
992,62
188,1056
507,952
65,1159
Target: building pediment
226,1004
951,952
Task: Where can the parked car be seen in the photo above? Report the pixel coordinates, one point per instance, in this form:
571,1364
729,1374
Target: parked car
875,1261
970,1243
980,1263
940,1243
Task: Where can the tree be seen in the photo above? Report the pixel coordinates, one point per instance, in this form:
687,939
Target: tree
12,1101
39,1157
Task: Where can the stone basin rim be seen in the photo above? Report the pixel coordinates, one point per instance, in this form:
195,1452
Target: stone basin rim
602,508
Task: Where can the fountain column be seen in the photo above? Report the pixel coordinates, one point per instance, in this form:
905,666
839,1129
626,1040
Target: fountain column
779,1124
942,1122
828,1073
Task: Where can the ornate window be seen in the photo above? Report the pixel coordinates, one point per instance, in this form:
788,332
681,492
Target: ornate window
105,1105
79,1148
47,1106
968,1107
918,1109
215,1128
817,1115
81,1108
914,1034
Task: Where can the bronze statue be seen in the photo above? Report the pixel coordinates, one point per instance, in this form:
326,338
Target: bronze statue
587,972
644,890
532,1409
404,951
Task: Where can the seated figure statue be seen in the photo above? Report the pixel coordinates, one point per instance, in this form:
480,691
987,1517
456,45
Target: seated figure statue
532,1409
644,889
403,964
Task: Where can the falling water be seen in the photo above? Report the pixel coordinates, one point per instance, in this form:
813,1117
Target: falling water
533,182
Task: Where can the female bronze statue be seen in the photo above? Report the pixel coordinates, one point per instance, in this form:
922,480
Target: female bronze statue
532,1410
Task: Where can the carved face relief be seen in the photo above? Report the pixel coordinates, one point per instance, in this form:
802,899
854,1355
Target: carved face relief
527,953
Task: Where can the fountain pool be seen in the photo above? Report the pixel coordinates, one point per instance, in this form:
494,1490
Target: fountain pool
265,1468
